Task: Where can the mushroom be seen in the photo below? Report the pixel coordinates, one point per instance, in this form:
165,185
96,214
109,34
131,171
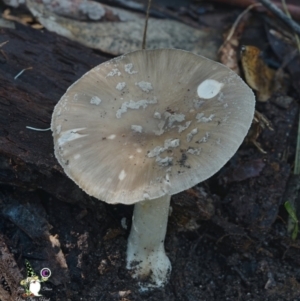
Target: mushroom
144,126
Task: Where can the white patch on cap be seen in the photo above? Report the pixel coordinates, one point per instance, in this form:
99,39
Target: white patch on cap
204,139
95,101
225,105
191,134
194,151
120,86
182,128
175,117
134,105
111,137
209,88
145,86
157,115
77,156
167,161
131,157
70,135
122,175
114,72
171,143
160,126
137,128
155,151
201,118
128,69
139,150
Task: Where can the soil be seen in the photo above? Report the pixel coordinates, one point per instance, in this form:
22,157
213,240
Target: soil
227,237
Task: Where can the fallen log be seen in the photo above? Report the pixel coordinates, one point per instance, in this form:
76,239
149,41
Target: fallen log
52,63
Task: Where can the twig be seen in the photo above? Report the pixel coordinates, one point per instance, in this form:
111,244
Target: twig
29,68
146,25
280,14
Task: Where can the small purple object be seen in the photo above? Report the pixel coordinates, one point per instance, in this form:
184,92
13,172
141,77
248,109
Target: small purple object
45,273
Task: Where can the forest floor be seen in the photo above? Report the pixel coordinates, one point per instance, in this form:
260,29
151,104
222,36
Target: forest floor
227,237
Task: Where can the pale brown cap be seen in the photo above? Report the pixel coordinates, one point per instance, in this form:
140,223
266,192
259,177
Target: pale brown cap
149,123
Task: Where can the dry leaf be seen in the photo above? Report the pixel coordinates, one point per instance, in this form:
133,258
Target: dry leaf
121,37
229,49
258,75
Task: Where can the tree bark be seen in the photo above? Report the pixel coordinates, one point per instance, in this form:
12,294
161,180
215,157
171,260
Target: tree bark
27,156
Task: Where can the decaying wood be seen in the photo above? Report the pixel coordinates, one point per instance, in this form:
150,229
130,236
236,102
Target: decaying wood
26,156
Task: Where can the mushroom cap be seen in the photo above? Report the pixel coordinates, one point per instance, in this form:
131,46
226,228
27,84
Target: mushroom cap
150,123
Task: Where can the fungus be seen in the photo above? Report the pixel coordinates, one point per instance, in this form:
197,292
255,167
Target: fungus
174,120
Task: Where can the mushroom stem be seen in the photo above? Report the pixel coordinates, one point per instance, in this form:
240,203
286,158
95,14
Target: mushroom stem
145,250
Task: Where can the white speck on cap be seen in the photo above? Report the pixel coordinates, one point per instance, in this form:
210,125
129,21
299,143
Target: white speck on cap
137,128
182,128
209,88
194,151
128,68
121,86
191,134
111,137
160,130
171,143
114,72
134,105
201,118
175,117
155,151
157,115
122,175
204,138
167,161
145,86
95,101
